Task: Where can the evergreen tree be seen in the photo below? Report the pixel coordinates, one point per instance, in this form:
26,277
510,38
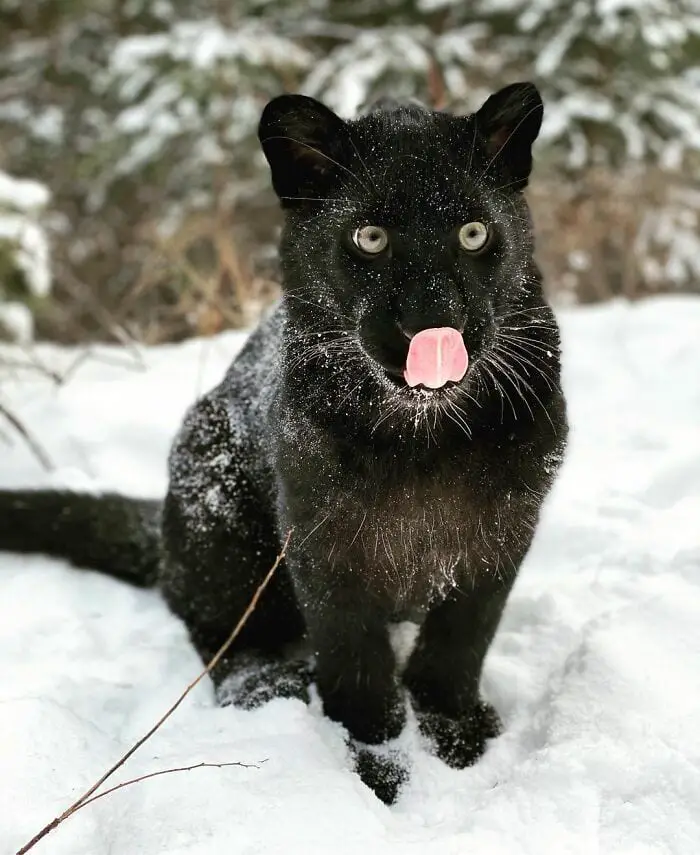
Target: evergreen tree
141,116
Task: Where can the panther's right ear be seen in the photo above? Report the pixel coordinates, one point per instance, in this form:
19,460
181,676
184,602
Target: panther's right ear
307,146
509,123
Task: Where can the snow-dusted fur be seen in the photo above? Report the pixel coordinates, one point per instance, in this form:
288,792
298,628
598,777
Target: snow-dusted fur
404,503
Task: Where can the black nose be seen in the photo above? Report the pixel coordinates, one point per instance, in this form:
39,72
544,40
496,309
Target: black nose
429,302
408,330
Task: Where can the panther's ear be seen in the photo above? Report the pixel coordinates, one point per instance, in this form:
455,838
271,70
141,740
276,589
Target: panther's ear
509,122
307,146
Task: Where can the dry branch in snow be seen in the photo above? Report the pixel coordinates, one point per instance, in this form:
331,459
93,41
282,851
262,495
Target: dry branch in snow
90,794
28,437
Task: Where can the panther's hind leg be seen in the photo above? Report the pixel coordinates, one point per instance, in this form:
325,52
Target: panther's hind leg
219,542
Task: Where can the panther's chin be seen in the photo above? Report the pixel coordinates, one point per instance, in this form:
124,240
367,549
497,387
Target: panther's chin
422,397
394,384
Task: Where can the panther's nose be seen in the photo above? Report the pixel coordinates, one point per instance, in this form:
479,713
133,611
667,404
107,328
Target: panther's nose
411,330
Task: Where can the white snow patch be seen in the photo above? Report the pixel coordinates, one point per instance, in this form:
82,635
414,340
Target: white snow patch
22,194
21,202
595,669
31,252
17,321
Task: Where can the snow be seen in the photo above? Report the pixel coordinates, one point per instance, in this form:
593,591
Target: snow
31,251
595,669
206,62
21,203
17,322
205,43
22,194
347,77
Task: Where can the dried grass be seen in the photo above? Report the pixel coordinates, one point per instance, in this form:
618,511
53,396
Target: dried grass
612,234
600,235
212,278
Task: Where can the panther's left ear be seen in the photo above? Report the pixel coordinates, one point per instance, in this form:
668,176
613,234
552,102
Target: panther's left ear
509,122
307,146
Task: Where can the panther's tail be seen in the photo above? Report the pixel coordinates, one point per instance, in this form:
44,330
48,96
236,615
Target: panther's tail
119,536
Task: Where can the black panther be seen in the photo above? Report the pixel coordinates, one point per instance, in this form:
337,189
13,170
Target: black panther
400,411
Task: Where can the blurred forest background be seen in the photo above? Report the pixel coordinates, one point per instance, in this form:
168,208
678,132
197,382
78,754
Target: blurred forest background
134,201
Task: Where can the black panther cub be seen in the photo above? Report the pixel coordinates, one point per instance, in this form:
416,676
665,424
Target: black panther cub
401,410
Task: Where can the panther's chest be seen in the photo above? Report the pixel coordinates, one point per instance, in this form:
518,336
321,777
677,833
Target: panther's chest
409,545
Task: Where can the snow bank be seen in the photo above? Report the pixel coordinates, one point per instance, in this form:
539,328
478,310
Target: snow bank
595,670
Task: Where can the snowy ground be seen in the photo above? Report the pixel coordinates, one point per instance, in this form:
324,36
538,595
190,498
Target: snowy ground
596,668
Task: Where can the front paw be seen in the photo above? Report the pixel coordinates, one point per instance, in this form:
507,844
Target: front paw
382,769
258,682
368,718
459,742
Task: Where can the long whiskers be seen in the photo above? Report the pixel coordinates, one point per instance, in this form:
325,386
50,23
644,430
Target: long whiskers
456,414
322,154
518,381
290,294
508,139
364,165
527,363
485,365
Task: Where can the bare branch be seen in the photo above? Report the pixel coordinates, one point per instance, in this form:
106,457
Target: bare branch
31,442
88,794
32,363
165,772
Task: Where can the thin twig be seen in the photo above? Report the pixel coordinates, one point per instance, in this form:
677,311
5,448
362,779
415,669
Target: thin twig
135,364
32,443
165,772
32,363
81,292
212,664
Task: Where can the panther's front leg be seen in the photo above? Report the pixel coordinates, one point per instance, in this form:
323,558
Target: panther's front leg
444,670
355,668
355,664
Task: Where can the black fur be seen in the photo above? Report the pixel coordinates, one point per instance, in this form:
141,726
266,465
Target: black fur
404,503
119,536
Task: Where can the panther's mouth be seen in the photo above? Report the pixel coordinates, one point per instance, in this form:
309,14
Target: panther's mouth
434,361
436,356
419,392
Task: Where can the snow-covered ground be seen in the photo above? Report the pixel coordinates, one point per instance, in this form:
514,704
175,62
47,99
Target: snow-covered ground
595,670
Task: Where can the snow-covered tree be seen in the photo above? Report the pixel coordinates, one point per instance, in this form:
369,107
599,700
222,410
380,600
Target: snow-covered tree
141,116
25,274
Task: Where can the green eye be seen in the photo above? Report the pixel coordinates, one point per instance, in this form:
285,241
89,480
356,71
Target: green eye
370,239
473,236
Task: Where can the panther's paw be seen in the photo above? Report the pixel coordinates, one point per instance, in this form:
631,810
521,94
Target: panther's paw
259,681
461,741
383,770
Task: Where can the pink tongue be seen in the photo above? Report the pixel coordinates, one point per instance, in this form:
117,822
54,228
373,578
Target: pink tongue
435,357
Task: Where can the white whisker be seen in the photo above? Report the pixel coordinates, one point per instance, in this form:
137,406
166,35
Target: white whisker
322,153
